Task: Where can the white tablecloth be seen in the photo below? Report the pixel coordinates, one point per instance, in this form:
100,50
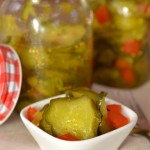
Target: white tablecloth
15,136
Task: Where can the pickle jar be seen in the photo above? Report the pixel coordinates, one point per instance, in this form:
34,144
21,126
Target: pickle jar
121,42
53,39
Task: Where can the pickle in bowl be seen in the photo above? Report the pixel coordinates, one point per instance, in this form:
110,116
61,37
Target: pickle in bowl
79,119
82,113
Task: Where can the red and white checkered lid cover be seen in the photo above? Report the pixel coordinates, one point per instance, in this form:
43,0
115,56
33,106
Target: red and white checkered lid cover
10,81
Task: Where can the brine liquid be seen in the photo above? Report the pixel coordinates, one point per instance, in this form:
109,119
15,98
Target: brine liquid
50,71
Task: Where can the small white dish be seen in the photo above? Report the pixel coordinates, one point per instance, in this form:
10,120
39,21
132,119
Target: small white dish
108,141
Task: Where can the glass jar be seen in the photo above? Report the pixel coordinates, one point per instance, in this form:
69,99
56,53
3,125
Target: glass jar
121,42
54,42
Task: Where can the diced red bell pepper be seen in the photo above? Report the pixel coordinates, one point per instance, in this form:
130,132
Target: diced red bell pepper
68,137
132,47
121,64
114,107
31,113
145,8
102,14
128,75
126,71
117,119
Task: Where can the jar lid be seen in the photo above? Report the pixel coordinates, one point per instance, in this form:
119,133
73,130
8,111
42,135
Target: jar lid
10,81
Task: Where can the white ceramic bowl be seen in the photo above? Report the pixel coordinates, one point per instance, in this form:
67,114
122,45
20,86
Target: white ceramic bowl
108,141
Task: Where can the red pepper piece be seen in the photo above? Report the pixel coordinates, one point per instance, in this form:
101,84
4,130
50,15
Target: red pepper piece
126,71
128,75
117,119
114,107
102,14
120,63
145,8
68,137
31,113
132,47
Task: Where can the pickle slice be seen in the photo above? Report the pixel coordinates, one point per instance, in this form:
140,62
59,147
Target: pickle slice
78,116
77,92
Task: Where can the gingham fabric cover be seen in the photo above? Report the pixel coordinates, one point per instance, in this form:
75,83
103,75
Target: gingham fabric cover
10,81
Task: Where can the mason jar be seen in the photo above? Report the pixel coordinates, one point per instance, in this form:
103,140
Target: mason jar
121,42
54,42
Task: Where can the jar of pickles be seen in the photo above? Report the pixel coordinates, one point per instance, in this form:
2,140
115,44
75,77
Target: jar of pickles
54,42
121,42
